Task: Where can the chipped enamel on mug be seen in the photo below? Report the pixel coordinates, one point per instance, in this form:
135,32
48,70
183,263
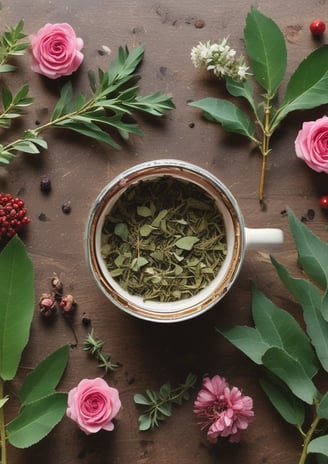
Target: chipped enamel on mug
238,237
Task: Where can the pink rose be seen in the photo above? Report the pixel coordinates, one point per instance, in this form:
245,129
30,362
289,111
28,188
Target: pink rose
311,144
93,404
56,50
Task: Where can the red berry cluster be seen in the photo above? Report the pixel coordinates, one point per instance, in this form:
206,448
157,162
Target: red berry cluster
12,215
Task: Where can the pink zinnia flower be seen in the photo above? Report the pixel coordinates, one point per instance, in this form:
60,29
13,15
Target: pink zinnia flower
224,411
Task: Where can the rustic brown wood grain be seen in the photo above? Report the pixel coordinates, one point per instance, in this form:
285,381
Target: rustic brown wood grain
152,354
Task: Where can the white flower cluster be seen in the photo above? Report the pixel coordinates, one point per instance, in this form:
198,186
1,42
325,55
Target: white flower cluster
219,58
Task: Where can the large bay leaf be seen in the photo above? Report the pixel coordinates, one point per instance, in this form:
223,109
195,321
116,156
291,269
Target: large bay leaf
266,49
36,420
43,380
246,339
309,297
323,407
291,372
319,445
277,327
16,305
227,114
289,406
312,256
308,86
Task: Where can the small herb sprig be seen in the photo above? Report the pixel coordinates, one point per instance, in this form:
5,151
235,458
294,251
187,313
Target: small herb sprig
158,405
94,347
113,99
11,45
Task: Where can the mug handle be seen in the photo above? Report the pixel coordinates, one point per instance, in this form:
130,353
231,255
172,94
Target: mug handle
265,238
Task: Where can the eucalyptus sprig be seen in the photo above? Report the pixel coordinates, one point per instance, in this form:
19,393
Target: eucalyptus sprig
267,52
113,99
290,356
158,405
95,348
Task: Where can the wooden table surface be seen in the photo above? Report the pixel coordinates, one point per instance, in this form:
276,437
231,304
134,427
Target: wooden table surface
152,353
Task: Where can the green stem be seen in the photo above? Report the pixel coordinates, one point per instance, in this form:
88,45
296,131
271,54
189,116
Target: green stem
265,148
3,450
307,439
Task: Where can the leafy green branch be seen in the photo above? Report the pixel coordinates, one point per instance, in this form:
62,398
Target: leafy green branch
41,406
110,105
266,49
158,405
13,105
11,45
289,355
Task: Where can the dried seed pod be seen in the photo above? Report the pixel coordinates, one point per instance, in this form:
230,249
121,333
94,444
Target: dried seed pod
47,304
57,283
68,304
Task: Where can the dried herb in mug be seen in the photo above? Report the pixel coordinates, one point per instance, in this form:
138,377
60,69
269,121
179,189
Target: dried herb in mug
164,239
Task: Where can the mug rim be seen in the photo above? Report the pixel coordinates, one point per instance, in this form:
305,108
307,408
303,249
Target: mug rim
187,308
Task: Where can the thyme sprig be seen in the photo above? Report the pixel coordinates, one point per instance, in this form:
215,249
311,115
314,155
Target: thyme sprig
94,347
111,101
158,405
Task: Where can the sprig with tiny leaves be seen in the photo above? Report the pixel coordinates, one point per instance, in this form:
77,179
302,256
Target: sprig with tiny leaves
11,45
158,405
113,99
94,347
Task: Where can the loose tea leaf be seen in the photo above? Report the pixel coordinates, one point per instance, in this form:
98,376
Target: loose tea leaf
164,239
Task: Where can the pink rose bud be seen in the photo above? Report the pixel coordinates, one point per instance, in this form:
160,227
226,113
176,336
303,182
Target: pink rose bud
311,144
56,50
93,404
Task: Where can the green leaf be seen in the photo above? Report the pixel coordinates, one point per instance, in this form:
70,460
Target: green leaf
17,305
187,242
43,380
36,420
278,328
312,256
309,297
89,130
26,147
227,114
289,407
4,68
248,340
3,401
125,63
323,407
291,372
121,230
7,98
64,100
241,89
145,422
266,49
308,86
141,399
319,445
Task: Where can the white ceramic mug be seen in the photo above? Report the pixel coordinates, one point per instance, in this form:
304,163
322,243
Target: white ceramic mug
239,238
